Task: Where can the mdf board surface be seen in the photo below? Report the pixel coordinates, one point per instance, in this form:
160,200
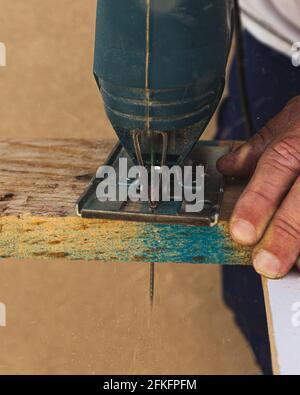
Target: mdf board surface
95,318
40,181
282,298
47,87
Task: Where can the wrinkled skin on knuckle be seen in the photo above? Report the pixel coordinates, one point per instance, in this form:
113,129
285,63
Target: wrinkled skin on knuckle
260,195
287,226
284,154
269,179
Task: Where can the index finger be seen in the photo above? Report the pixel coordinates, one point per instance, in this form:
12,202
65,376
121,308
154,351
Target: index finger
276,172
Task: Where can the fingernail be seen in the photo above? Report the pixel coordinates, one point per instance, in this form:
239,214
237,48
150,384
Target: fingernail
267,264
243,232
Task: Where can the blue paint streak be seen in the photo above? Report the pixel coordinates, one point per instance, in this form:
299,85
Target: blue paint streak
179,244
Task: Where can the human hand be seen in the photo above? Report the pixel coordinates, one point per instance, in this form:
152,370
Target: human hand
267,214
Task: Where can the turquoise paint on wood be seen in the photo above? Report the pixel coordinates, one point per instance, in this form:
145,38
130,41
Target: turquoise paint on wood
177,243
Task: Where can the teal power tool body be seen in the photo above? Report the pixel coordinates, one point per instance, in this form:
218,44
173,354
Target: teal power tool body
160,66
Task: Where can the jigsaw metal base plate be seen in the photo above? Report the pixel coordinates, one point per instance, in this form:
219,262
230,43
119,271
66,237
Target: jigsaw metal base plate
204,153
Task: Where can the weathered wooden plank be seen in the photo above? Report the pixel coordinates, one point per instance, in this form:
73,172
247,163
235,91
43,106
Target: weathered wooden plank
41,180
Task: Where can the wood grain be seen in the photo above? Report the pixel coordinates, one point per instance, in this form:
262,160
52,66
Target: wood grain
40,181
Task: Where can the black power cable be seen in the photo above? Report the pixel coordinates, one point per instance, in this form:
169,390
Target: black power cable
241,70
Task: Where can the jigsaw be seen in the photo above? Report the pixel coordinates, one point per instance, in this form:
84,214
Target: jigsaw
160,66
